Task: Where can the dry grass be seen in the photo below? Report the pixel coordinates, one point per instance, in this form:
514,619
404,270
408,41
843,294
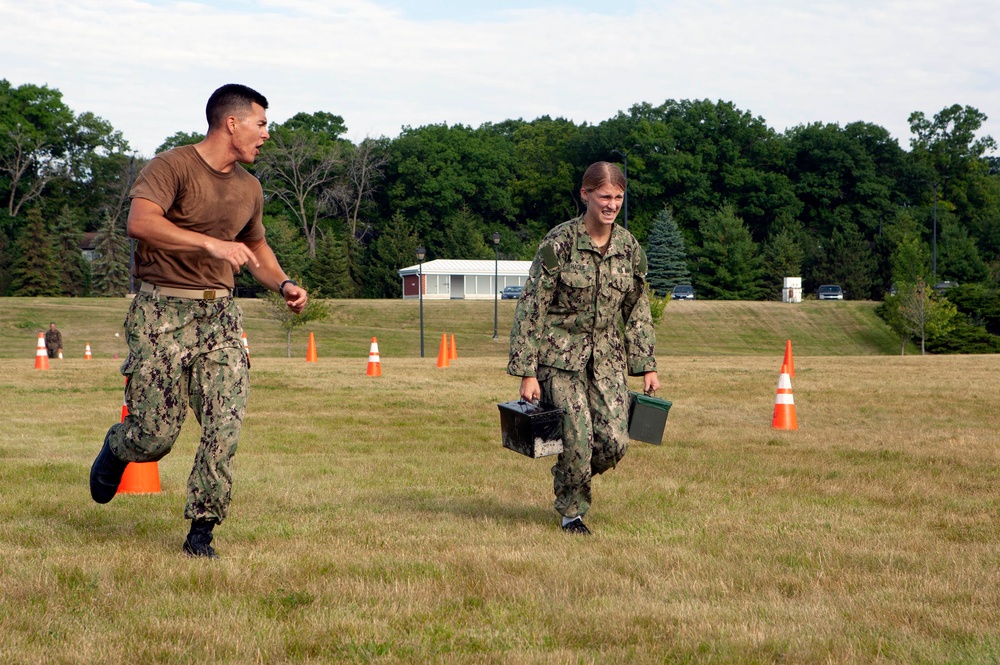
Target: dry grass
380,520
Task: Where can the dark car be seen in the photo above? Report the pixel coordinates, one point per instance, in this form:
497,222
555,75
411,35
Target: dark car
830,292
511,292
682,292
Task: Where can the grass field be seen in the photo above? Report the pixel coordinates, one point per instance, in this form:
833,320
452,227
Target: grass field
380,519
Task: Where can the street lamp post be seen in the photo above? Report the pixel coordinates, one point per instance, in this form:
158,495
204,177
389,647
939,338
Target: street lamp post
421,253
496,279
624,156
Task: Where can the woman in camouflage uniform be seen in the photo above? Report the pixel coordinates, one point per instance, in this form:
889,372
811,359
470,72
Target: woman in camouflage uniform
569,345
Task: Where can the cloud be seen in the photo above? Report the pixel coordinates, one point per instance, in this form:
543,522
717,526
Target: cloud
148,67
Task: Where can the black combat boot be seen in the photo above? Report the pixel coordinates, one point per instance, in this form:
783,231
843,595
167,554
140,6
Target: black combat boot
199,539
106,473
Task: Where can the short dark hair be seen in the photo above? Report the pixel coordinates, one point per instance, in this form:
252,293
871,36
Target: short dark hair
231,99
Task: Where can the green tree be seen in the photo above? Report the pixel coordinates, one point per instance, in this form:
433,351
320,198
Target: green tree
958,256
330,273
728,265
917,312
301,167
666,255
74,273
848,261
391,251
179,139
783,255
111,266
277,310
34,272
464,237
288,245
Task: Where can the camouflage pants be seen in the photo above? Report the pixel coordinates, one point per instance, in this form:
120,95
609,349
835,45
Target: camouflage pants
185,353
595,431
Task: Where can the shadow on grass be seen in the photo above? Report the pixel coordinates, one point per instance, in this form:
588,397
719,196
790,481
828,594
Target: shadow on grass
468,507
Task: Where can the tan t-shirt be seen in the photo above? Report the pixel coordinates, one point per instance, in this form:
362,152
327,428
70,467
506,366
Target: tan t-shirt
227,206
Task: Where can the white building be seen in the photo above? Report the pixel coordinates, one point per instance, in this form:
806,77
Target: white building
463,279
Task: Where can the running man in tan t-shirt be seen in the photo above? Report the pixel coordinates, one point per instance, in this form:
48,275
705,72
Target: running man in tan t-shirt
196,214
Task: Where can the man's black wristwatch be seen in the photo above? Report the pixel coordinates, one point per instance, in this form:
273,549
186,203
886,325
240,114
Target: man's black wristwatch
281,287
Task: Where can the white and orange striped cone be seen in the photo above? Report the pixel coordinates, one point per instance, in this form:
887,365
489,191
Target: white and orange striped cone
86,354
784,404
246,346
139,477
374,362
41,355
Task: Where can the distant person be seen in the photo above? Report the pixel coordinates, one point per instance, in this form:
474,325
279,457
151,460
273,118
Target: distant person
53,341
196,214
566,345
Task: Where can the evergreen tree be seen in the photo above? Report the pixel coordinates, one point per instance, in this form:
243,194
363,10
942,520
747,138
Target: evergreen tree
463,238
728,266
394,249
34,271
958,258
74,272
783,256
111,266
849,262
288,245
666,256
330,273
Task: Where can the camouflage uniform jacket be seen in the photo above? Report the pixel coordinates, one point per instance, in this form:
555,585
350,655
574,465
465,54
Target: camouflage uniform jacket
569,309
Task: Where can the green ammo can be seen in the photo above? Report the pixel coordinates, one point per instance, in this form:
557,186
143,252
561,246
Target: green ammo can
647,417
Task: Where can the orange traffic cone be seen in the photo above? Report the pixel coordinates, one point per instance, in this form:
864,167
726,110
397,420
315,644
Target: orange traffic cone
788,359
246,347
443,360
784,403
41,355
86,354
139,477
60,354
374,363
453,352
311,356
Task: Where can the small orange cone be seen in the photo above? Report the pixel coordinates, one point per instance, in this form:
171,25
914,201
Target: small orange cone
246,347
453,353
41,355
443,360
788,359
60,354
86,354
311,356
784,403
374,362
139,477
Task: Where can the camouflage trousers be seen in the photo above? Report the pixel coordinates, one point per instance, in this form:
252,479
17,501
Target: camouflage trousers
185,353
595,431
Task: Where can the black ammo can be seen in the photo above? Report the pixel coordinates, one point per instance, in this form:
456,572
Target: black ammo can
534,430
647,417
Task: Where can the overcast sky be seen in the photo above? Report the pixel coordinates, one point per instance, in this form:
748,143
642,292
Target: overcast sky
148,66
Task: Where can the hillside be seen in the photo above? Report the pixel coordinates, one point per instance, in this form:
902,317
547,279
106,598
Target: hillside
827,328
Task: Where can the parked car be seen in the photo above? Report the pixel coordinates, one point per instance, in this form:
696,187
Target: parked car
830,292
682,292
511,292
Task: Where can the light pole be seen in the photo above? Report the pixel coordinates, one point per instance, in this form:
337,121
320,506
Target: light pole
624,156
496,279
421,253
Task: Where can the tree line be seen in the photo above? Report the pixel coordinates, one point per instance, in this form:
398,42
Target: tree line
719,199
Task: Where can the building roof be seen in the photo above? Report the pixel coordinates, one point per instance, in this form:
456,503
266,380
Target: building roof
468,267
